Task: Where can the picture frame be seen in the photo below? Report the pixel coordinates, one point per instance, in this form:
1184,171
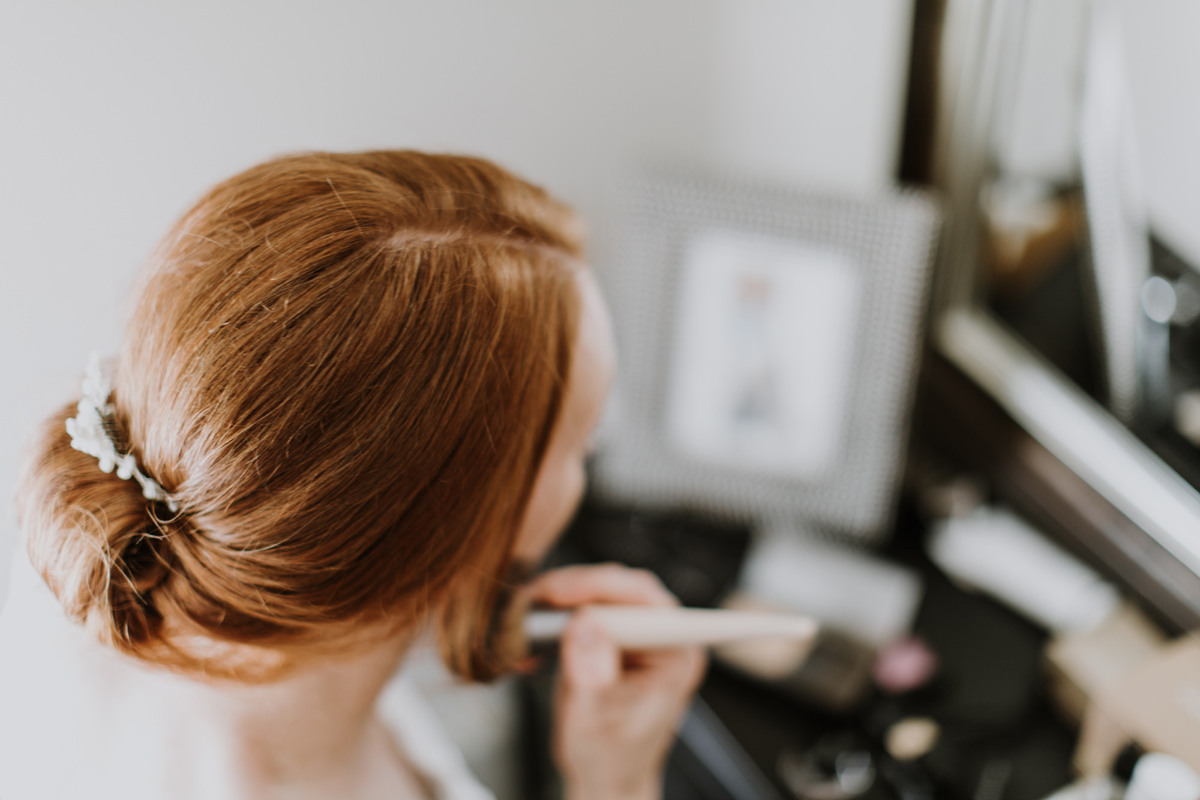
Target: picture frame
769,339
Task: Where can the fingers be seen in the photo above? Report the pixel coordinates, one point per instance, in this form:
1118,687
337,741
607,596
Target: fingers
591,661
593,666
661,657
679,668
605,583
616,714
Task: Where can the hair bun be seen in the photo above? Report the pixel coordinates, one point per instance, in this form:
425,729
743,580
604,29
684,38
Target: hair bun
107,552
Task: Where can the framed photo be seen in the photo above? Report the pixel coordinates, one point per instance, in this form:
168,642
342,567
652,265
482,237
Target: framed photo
769,340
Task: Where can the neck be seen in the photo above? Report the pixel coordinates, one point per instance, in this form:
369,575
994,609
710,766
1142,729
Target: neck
311,734
306,727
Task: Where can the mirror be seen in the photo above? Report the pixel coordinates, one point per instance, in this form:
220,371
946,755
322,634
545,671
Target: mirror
1062,288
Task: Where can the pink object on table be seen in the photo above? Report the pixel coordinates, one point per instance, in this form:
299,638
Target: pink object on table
904,665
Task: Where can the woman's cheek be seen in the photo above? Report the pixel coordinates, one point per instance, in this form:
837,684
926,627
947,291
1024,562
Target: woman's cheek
572,482
576,483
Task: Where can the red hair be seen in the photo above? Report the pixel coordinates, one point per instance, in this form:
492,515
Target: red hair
345,369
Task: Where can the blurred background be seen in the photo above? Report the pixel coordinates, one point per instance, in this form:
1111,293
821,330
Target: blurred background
1043,400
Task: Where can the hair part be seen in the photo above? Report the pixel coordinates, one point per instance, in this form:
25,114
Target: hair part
345,369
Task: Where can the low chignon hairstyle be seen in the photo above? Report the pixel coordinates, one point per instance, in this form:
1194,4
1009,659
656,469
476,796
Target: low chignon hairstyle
345,369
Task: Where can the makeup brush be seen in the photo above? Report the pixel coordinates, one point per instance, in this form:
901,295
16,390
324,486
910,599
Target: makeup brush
652,627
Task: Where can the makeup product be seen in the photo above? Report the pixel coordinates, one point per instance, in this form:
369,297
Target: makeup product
870,599
996,551
651,627
831,670
904,666
911,738
862,603
838,766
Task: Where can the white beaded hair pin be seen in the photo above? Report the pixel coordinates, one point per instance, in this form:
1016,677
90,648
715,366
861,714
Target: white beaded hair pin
89,434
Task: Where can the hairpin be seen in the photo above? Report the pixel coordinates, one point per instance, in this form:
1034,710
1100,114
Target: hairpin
90,435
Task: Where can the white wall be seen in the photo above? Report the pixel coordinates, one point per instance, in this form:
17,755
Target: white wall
1164,79
114,116
811,91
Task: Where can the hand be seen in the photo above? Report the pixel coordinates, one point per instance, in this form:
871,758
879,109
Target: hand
615,713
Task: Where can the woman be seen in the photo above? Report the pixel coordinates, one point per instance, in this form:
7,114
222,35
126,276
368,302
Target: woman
353,402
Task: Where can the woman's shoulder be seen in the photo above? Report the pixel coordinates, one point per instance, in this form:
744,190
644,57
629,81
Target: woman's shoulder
55,702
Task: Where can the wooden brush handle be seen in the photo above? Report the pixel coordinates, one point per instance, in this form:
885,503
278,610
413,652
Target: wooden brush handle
650,627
